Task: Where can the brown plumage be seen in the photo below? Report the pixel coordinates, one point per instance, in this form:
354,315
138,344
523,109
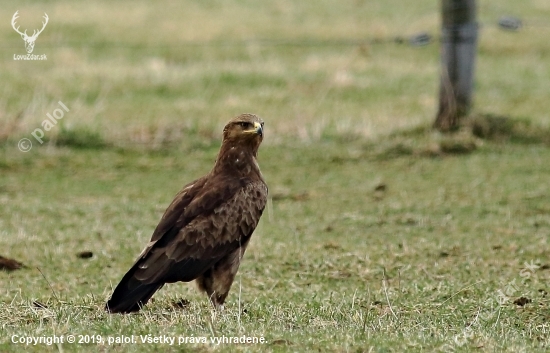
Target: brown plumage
204,232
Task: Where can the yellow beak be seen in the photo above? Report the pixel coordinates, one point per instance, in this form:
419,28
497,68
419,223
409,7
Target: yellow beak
258,129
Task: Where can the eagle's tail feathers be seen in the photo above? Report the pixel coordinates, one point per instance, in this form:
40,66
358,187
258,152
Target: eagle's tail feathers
131,295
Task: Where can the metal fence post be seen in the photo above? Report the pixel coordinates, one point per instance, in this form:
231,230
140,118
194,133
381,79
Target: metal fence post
458,51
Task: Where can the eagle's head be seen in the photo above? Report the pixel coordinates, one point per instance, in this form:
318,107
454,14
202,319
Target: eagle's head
242,137
246,131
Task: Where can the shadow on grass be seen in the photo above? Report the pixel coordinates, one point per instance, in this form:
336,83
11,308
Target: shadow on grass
475,131
78,138
505,129
421,141
81,138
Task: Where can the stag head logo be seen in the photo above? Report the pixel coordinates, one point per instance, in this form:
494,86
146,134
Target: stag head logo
29,40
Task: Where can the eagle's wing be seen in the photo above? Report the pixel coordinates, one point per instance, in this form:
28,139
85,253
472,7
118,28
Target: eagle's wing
203,224
207,220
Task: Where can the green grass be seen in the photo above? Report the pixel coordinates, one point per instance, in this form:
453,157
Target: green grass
144,73
380,234
334,264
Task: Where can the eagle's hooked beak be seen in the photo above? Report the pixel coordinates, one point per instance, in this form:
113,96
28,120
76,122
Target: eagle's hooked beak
259,129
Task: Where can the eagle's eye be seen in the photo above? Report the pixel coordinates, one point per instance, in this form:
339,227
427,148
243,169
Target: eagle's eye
245,125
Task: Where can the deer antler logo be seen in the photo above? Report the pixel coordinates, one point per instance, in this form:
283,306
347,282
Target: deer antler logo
29,41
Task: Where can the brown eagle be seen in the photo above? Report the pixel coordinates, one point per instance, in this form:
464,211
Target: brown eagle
204,232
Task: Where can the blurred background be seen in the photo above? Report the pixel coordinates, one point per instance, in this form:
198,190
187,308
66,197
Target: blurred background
153,74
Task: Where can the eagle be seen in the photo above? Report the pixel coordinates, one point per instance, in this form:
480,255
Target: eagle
204,232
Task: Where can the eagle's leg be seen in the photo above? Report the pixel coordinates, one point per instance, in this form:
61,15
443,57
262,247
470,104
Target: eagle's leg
217,280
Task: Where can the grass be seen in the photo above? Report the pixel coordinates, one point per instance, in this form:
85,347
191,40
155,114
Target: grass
380,234
158,72
334,265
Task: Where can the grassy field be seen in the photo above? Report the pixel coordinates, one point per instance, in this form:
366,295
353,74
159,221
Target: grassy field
380,234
